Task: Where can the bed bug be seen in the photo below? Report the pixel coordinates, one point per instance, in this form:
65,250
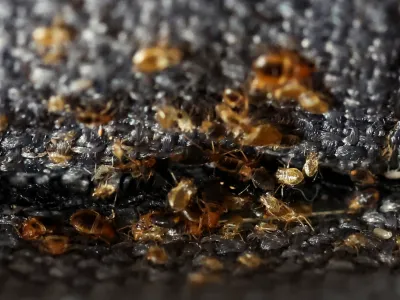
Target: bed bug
54,244
310,167
279,211
3,122
32,229
275,69
289,176
92,117
157,255
263,227
291,216
145,230
234,122
362,177
119,149
51,41
56,104
170,117
232,227
355,241
272,204
250,260
90,222
246,169
59,151
261,135
233,202
193,229
156,59
211,213
104,190
365,199
289,91
107,182
179,197
143,169
57,34
236,100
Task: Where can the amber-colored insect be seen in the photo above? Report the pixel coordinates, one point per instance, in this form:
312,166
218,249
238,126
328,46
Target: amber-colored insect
212,264
289,176
247,170
54,244
104,190
156,59
263,227
272,204
51,41
142,169
56,104
261,135
119,149
232,202
107,182
236,100
276,68
170,117
92,117
232,227
157,255
145,230
284,76
3,122
355,241
281,212
250,260
365,199
57,34
193,228
59,151
90,222
32,229
310,167
179,197
234,122
291,90
362,177
211,213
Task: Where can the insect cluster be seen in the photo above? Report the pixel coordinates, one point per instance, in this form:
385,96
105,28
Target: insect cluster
239,165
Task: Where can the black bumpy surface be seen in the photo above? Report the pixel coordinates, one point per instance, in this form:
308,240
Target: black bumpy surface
355,46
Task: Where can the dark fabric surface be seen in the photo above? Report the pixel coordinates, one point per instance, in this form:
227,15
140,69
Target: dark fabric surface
355,47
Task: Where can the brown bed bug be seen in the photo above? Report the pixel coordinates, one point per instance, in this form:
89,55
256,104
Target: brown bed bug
180,196
32,229
310,167
156,59
90,222
289,176
54,244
